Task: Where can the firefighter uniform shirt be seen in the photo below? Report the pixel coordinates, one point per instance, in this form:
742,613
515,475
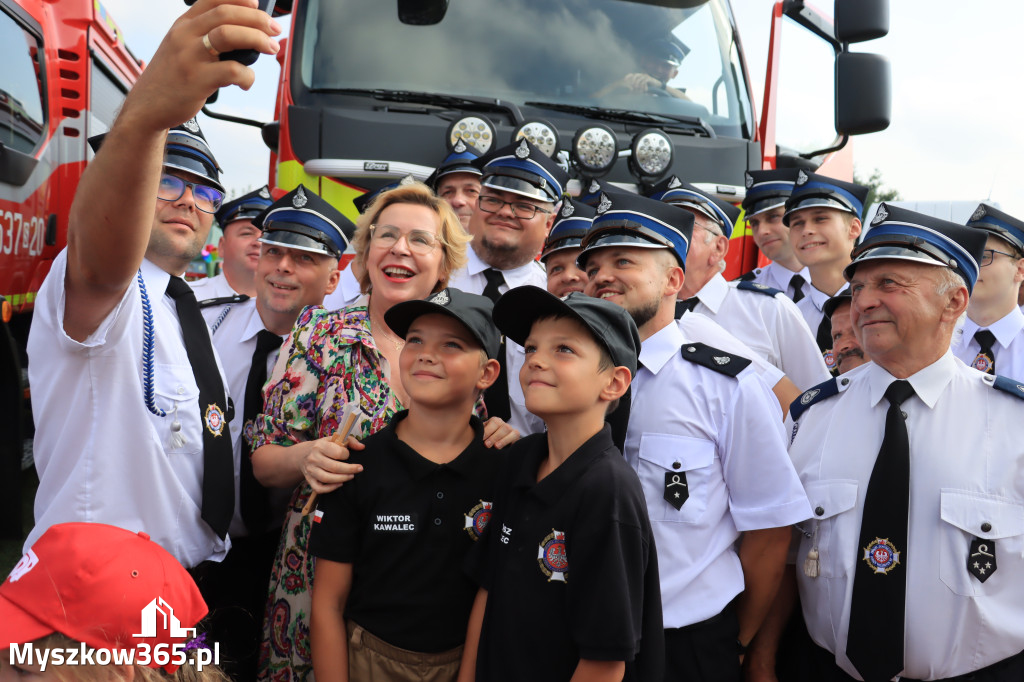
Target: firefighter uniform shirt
1007,353
778,277
570,567
405,524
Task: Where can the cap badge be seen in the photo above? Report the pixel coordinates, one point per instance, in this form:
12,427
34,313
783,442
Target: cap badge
440,298
674,182
801,178
605,204
567,210
523,150
595,186
978,214
265,193
300,199
408,179
748,180
191,125
459,147
880,215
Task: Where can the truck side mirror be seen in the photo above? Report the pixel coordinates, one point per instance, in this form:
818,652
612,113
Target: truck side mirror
860,20
863,93
422,12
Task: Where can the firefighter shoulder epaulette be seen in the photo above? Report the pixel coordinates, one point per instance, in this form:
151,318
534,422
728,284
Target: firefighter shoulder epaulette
713,358
822,391
223,300
1011,386
749,276
759,288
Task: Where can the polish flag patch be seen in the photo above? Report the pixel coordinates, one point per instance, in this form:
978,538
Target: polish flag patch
318,516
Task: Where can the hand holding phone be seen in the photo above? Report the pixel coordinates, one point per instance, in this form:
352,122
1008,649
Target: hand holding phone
246,57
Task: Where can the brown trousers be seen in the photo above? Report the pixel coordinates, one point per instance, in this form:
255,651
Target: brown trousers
371,659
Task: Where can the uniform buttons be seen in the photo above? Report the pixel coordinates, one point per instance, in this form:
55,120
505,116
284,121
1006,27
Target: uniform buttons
676,465
903,413
818,511
437,522
181,390
986,527
440,495
844,382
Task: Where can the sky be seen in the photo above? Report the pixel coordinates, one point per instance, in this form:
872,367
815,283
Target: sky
956,133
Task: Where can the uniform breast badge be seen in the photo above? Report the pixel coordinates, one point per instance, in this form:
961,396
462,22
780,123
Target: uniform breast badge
552,558
214,419
477,519
830,359
881,556
982,561
982,362
676,491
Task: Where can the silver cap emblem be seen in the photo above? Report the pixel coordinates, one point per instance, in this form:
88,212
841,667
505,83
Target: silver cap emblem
605,204
748,180
191,125
567,210
523,150
880,215
801,178
300,199
265,193
979,213
459,147
441,298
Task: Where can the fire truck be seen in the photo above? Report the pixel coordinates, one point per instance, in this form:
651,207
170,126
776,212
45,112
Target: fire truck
373,90
66,70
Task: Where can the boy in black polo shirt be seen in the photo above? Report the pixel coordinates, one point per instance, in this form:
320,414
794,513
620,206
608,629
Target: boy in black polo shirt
390,544
567,568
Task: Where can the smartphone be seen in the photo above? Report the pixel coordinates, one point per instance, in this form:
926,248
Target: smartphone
247,57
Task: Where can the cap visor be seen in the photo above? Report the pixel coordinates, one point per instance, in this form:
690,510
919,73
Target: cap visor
400,317
507,183
17,626
892,253
759,207
294,240
817,202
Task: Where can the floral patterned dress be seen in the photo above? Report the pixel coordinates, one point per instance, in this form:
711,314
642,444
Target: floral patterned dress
329,361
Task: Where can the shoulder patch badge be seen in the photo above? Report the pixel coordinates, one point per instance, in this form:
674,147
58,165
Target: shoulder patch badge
715,359
811,396
747,285
552,558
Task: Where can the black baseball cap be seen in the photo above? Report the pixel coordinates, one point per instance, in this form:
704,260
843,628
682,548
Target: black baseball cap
610,324
473,311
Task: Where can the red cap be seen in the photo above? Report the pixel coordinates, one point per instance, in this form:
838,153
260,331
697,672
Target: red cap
102,585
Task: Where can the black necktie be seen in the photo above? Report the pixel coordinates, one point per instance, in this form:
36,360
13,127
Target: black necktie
878,608
496,397
797,282
218,462
986,339
686,306
254,499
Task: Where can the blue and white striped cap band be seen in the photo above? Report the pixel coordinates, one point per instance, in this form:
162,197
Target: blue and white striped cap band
188,151
245,207
629,220
767,189
688,198
523,169
463,159
812,190
567,234
999,224
302,220
901,234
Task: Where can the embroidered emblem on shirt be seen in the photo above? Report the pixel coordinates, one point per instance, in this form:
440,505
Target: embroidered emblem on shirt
552,558
982,561
300,199
318,516
477,519
880,215
722,360
523,150
676,491
808,396
881,556
214,419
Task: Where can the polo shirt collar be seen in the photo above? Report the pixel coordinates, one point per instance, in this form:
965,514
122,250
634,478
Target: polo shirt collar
552,488
928,383
421,467
1006,329
714,292
156,279
659,348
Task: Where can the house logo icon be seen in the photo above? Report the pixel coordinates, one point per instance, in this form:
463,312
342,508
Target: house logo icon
159,616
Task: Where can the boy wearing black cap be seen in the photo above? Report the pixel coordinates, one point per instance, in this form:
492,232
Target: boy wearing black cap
568,573
390,543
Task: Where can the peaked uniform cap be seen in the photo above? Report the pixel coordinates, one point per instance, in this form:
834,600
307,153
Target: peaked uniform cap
901,234
768,189
844,296
572,223
678,193
811,190
364,200
625,219
464,158
472,310
522,168
245,207
999,224
302,220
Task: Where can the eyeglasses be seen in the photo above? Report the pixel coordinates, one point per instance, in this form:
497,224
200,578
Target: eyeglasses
419,241
208,199
523,210
988,255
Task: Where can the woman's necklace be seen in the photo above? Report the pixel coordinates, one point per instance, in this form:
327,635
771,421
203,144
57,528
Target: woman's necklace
385,334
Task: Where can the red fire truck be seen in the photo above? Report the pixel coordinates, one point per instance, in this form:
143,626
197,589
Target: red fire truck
372,90
66,70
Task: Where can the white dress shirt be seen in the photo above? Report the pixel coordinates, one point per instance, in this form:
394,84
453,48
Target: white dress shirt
697,327
778,277
1008,349
771,325
212,287
726,434
235,342
471,280
346,293
101,455
966,482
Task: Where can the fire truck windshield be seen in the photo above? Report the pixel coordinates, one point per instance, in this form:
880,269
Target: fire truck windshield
611,54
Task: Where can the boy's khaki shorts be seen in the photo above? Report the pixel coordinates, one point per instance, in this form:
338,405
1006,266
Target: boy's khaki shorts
371,659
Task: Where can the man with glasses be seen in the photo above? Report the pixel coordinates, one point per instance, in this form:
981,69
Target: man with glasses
520,191
992,337
129,400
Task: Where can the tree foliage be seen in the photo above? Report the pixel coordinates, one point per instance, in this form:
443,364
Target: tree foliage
877,191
